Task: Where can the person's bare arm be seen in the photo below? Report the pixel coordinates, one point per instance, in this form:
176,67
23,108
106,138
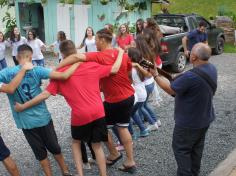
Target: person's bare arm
12,86
132,44
80,46
79,57
162,82
43,48
66,74
36,100
130,76
206,42
144,72
184,43
116,66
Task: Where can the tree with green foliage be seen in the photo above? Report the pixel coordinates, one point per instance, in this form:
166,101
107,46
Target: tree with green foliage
4,3
9,21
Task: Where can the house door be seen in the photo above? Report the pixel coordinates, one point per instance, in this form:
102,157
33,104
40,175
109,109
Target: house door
73,20
63,19
80,22
41,29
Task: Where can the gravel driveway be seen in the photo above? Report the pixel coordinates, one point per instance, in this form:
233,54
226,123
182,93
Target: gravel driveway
153,154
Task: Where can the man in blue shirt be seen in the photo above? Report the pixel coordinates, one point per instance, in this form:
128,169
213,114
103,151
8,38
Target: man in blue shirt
35,122
10,88
193,109
198,35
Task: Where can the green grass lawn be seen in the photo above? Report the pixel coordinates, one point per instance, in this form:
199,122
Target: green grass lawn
230,48
206,8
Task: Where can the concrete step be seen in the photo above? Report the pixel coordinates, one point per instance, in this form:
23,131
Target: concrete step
226,167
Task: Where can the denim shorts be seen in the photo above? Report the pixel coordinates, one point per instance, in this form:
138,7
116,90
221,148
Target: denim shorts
38,62
3,64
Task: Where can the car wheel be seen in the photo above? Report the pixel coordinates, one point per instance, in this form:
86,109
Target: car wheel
219,46
180,63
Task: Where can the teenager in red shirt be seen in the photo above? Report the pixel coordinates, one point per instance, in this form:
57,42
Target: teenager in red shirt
82,93
119,96
124,39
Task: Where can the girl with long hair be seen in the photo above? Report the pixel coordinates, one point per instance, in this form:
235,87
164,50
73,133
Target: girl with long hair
89,41
61,36
38,46
3,45
124,39
140,91
148,48
139,26
152,24
154,45
16,40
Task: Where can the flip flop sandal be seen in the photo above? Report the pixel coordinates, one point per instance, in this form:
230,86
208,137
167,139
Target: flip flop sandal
112,162
128,169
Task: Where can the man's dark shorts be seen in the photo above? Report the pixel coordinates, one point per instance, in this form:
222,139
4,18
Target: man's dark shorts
42,139
4,151
119,113
93,132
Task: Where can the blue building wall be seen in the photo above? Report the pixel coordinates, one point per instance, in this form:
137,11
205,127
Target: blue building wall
111,10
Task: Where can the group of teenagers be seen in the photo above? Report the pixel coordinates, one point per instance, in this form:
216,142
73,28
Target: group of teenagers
126,86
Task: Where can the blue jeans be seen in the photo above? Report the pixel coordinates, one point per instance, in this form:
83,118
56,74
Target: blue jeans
38,62
115,131
136,118
3,64
146,110
15,60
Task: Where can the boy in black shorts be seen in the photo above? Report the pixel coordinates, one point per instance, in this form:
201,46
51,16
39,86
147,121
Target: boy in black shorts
36,122
82,94
118,93
10,88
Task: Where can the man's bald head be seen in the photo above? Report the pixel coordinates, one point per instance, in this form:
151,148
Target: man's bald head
201,51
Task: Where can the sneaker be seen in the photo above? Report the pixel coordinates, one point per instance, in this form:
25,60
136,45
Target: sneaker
153,127
144,133
91,161
158,123
134,137
120,147
67,174
86,166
